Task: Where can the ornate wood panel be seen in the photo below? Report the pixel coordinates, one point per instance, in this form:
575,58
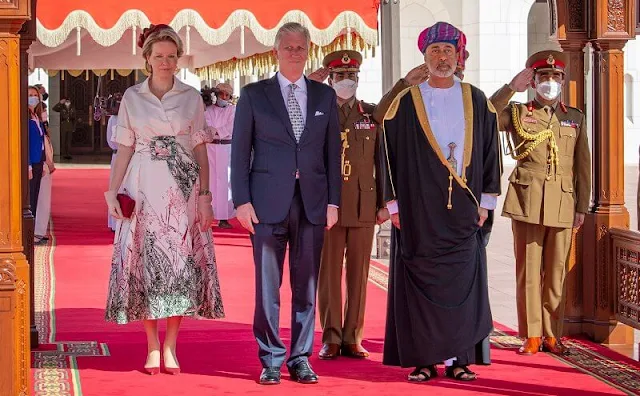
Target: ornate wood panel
14,270
626,257
90,135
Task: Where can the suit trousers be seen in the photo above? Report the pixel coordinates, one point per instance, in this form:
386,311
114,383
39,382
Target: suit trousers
269,246
541,266
358,242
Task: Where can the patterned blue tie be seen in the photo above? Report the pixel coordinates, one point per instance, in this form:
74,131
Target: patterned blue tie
295,114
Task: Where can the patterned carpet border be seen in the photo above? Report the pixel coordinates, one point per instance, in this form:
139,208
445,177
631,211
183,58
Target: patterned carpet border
44,289
585,356
54,366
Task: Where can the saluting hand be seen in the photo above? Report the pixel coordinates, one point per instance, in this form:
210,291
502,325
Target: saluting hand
319,75
247,217
522,80
418,75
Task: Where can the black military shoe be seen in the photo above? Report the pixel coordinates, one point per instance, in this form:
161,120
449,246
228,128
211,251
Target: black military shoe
303,373
270,376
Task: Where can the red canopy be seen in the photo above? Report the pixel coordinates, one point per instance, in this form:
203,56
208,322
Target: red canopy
268,13
101,34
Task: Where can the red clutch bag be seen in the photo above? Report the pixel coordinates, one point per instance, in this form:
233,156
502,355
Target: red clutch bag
127,204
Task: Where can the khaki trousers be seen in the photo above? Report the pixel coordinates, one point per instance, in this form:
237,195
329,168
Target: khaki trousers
541,265
358,242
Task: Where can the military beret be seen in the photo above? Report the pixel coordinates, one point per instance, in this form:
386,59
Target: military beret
343,61
547,60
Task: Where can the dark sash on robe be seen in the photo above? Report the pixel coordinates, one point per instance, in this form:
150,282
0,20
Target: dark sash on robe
438,304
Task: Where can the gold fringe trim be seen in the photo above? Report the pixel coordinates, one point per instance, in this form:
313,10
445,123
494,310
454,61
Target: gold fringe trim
136,18
266,62
98,72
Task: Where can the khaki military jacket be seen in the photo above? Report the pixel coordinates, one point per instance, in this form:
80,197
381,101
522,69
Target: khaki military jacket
361,134
541,191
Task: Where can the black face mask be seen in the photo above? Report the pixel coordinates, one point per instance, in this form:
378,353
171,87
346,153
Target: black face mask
45,96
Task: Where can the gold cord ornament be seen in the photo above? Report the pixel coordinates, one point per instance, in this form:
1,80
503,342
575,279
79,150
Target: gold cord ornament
530,140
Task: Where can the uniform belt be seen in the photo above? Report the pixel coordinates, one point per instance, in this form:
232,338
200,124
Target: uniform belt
221,141
541,168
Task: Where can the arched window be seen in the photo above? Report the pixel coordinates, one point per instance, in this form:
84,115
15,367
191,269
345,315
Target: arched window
628,97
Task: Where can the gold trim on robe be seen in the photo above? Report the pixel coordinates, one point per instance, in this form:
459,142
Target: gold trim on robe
418,103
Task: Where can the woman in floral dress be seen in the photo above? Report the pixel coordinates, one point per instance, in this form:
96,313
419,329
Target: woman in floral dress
163,262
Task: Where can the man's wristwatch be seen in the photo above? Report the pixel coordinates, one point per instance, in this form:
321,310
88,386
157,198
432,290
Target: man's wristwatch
204,192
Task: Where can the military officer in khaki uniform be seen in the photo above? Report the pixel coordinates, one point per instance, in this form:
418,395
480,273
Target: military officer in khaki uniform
361,205
548,194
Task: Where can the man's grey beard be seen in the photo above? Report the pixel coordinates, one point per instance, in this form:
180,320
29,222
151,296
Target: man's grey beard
442,73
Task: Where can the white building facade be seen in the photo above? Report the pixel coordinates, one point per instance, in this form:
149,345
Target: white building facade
501,34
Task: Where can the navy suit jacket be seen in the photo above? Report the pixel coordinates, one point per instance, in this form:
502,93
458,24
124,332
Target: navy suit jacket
265,155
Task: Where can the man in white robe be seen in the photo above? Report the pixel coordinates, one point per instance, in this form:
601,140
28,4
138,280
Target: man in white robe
220,116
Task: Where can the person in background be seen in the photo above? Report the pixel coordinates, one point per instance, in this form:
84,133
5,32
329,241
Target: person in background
36,153
220,116
67,125
113,107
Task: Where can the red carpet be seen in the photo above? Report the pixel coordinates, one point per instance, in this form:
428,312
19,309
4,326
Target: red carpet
220,357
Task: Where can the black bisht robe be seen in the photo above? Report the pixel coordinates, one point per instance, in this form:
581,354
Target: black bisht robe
438,305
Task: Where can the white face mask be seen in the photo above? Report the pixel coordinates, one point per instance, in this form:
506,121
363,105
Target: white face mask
548,89
221,103
33,101
345,89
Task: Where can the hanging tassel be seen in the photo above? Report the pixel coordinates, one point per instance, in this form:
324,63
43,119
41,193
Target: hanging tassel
134,41
348,38
78,40
87,74
188,40
111,74
242,40
136,75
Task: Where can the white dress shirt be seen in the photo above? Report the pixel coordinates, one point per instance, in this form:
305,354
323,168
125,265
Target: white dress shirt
445,110
180,113
300,92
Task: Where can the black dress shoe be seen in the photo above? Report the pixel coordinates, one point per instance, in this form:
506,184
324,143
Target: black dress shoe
270,376
303,373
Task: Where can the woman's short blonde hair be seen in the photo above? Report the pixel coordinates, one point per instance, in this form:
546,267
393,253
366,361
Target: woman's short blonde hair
156,35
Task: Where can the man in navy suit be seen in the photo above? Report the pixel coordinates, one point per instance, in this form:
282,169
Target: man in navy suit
285,180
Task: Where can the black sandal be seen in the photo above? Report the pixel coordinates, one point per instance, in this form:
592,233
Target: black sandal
419,375
464,374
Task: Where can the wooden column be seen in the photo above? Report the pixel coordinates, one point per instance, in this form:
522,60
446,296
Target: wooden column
612,24
608,195
27,36
574,95
15,362
573,36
